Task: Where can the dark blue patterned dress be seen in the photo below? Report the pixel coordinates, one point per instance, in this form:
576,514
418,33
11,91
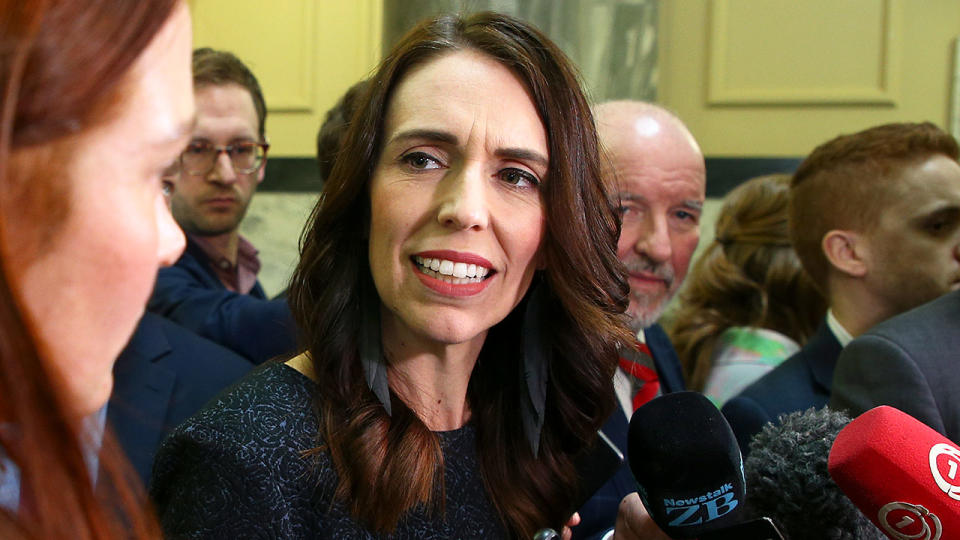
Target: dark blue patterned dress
237,470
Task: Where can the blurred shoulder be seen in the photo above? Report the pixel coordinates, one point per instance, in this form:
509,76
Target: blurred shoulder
925,322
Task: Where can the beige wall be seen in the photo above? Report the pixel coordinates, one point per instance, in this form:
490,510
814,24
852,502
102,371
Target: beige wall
778,77
305,53
755,78
750,77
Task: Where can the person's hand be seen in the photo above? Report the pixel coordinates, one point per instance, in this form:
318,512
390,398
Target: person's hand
567,533
634,523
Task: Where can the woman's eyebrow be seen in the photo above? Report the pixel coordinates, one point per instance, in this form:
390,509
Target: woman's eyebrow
523,154
436,135
425,134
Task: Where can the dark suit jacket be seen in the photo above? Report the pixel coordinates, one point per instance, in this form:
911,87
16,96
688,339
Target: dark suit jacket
165,374
800,382
908,362
190,294
599,513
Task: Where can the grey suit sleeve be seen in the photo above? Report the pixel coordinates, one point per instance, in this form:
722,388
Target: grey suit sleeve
874,370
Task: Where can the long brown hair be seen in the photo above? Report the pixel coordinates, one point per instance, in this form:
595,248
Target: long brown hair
748,276
63,68
390,464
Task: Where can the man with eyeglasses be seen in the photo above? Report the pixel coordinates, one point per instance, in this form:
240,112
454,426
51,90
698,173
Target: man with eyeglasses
213,288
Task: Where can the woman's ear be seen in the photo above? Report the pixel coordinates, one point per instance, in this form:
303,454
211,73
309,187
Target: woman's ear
847,251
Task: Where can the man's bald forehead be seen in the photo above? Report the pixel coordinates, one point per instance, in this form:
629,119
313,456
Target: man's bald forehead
622,124
622,112
635,133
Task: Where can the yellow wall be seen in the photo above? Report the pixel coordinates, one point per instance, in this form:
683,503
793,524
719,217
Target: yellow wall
750,77
305,53
778,77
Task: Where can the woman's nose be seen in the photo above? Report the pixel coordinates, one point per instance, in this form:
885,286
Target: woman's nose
464,199
170,239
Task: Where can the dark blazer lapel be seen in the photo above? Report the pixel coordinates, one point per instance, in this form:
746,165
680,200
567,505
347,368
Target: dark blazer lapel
616,429
141,396
820,354
664,359
202,266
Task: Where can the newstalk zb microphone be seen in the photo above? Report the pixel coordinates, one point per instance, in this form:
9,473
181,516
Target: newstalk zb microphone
687,464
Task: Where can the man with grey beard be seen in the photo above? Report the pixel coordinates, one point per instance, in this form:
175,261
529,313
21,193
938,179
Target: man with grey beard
660,179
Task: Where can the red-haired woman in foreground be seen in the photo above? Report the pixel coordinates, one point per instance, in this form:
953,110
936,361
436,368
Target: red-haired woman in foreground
96,102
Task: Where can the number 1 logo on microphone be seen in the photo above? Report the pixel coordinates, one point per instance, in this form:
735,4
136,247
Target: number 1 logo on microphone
945,466
905,521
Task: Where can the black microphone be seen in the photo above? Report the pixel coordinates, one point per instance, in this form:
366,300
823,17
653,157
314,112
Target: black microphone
689,471
787,478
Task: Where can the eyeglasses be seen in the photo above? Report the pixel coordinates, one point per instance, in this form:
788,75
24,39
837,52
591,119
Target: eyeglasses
200,157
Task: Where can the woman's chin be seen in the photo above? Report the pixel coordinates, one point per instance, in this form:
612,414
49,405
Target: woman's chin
449,330
455,334
87,399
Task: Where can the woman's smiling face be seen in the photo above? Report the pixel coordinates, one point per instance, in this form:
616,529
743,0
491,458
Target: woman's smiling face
456,213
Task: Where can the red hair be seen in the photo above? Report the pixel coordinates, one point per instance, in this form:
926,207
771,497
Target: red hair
847,182
63,67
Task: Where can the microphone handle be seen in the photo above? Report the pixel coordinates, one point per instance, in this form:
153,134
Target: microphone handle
755,529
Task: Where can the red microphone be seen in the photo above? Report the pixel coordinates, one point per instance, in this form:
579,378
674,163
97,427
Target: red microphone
901,474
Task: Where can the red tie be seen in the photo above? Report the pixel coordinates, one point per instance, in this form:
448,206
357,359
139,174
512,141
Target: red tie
645,380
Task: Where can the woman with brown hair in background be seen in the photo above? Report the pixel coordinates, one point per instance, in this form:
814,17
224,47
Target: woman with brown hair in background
747,304
96,103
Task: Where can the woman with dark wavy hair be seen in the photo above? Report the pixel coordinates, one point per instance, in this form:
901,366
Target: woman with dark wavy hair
461,300
96,103
747,304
